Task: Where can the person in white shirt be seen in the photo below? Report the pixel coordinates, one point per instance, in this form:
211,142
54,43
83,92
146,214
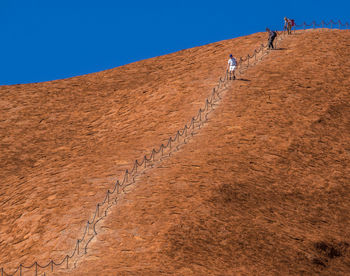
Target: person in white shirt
231,67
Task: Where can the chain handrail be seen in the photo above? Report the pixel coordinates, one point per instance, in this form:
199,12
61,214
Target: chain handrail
129,177
323,24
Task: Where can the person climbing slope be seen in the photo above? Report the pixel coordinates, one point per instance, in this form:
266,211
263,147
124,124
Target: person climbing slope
272,36
288,24
231,67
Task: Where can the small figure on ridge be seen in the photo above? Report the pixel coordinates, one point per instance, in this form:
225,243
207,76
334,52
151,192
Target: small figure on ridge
288,24
272,36
231,67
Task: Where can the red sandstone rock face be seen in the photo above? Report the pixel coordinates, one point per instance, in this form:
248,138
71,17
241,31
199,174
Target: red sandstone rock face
64,143
263,188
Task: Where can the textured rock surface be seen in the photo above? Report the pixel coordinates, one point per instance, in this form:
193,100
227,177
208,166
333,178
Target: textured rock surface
263,188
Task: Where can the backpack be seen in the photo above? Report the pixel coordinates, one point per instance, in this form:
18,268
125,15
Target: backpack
292,22
233,61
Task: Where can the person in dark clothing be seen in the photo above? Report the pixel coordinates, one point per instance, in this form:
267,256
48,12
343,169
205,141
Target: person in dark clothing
272,36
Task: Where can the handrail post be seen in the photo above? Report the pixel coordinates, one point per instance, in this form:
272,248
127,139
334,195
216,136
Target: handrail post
127,175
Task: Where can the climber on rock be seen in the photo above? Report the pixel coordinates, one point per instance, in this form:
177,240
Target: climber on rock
231,67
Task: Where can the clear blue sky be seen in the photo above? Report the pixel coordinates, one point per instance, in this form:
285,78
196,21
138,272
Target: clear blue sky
45,40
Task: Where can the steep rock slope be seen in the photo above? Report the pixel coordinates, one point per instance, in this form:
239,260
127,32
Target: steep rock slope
65,142
263,189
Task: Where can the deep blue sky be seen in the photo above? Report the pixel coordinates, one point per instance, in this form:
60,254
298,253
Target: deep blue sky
44,40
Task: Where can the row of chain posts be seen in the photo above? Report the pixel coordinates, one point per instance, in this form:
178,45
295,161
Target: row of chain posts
332,24
174,142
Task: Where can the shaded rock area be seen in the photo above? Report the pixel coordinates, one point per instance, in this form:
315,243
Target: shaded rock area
261,189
